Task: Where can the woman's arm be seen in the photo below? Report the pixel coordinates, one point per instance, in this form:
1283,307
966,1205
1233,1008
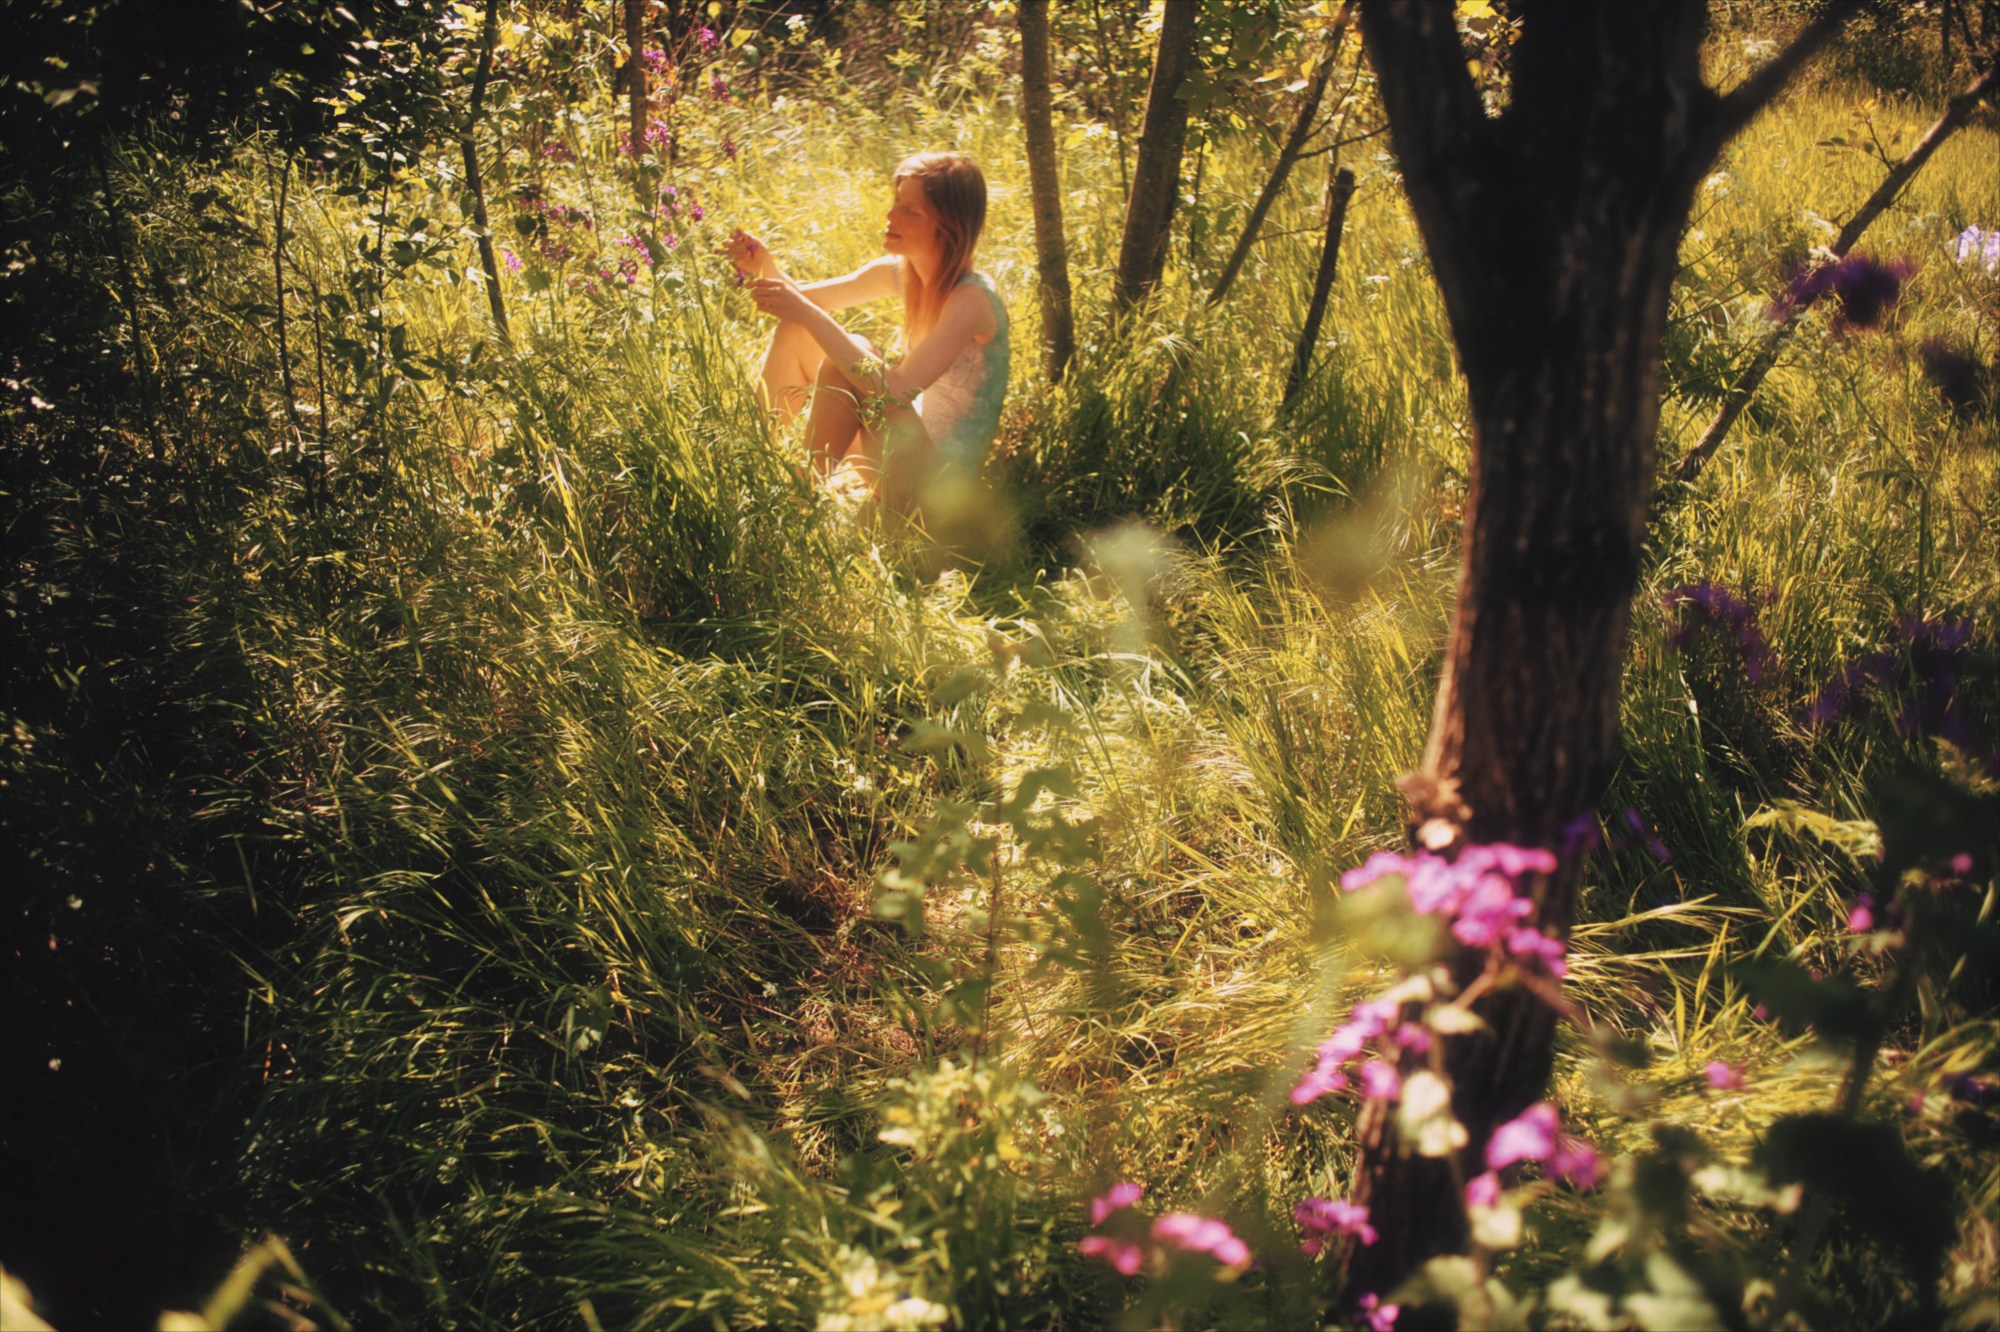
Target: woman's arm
872,281
967,315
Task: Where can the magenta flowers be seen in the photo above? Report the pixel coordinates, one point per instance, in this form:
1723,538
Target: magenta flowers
1326,1218
1723,1077
1128,1241
1534,1135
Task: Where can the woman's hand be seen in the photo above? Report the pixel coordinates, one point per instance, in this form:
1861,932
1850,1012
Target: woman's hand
782,299
751,256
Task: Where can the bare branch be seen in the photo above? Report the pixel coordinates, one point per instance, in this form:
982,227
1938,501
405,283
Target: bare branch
1736,108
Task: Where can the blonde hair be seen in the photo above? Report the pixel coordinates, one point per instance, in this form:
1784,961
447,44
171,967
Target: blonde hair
955,189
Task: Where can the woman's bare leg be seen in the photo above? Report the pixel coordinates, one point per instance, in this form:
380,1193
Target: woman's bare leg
791,363
897,459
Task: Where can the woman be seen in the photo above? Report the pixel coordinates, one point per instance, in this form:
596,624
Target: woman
940,404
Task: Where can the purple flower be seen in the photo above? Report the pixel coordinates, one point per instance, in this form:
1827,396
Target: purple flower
1979,246
1965,1087
1488,911
1961,864
1413,1038
1200,1234
729,149
1862,919
1529,1136
1715,604
718,88
1380,1081
1576,1163
1866,288
1381,1317
1722,1077
708,39
657,60
1126,1255
1349,1039
1120,1196
1483,1190
697,212
1528,944
512,260
1323,1218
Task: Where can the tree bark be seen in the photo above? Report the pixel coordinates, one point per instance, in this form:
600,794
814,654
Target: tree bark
474,183
1045,190
1552,230
1156,176
635,78
1288,157
1747,383
1340,188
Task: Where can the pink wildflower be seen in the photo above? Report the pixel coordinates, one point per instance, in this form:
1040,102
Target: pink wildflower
1488,910
1322,1218
512,260
1413,1038
1529,1136
1123,1254
1525,943
1576,1163
1483,1190
1862,918
1200,1234
707,38
1120,1196
1961,864
1381,1317
1380,1081
1722,1077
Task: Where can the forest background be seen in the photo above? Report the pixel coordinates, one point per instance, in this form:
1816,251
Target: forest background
488,845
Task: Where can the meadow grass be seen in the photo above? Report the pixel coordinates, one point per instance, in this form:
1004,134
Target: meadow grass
561,734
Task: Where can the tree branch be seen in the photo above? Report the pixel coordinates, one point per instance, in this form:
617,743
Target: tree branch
1733,110
1746,385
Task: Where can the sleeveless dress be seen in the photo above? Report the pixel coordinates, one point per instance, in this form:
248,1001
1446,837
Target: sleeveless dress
961,408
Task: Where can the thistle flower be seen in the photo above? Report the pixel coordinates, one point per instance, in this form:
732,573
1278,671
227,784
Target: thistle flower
1866,288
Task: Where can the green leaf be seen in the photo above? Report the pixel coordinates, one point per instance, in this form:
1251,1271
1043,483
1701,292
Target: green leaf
1867,1171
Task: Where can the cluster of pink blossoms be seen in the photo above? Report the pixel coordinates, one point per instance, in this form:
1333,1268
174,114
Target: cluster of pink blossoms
1476,892
1129,1241
1324,1218
1535,1135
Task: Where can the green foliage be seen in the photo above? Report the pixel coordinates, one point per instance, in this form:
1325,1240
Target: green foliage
483,819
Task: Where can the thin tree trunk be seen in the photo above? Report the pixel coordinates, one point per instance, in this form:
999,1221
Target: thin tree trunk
1552,229
474,183
281,189
1340,188
1288,156
1156,177
1747,383
635,77
1117,98
1045,190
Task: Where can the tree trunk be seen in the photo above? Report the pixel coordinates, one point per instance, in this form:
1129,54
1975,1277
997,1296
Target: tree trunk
1288,156
635,81
1339,188
1156,177
474,183
1045,189
1552,230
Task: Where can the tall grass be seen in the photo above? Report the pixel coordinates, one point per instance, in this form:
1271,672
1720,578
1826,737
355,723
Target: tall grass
540,738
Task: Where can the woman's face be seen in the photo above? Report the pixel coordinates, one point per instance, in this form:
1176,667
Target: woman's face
913,223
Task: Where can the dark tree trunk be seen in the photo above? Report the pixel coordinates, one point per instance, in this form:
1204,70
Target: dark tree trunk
635,81
1156,177
475,185
1288,157
1045,189
1552,230
1339,189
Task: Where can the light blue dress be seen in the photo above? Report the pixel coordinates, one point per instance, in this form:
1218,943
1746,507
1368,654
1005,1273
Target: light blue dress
961,408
